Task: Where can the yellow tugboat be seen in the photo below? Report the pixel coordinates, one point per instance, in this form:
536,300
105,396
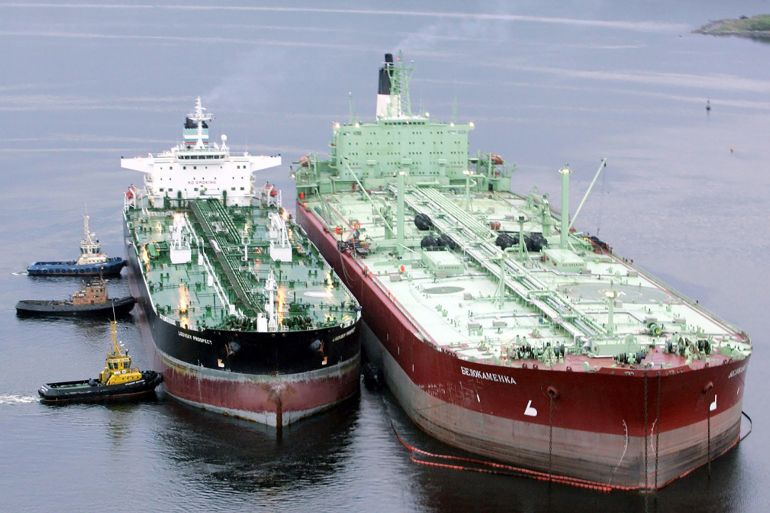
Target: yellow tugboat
118,381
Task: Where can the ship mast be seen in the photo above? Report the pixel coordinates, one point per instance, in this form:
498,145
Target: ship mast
393,100
564,231
114,332
87,235
200,117
90,249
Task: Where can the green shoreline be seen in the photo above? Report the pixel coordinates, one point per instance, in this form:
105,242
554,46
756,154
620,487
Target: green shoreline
757,27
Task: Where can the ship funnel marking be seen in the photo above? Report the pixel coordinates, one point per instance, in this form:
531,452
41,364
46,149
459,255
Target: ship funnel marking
384,87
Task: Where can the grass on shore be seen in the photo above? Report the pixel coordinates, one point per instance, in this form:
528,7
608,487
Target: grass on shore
758,23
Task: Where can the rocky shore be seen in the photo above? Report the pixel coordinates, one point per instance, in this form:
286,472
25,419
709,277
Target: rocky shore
757,27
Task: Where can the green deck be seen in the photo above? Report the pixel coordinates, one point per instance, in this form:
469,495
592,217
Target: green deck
484,303
222,290
485,313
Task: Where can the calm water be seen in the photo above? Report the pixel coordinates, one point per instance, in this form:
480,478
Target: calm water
546,83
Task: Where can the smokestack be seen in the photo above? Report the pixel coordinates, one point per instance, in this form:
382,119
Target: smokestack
388,105
384,86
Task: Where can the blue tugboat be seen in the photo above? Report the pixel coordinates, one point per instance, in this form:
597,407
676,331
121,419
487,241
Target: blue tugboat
92,262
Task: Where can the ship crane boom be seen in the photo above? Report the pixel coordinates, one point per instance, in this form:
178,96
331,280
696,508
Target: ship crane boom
602,165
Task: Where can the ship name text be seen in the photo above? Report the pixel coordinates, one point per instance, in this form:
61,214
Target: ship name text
735,372
489,376
195,338
343,335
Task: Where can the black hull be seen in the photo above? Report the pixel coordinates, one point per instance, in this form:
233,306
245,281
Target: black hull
273,354
110,268
34,308
84,392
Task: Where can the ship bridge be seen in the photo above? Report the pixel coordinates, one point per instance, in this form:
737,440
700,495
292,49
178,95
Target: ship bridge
197,168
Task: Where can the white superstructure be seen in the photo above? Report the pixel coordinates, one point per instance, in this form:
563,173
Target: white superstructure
90,248
198,169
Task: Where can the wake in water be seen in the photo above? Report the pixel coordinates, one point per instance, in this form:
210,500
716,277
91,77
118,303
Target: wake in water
19,273
17,399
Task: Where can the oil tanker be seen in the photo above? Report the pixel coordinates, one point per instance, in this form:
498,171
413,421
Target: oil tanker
246,317
501,329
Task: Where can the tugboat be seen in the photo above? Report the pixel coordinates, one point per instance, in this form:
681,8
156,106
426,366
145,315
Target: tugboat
90,301
91,262
117,382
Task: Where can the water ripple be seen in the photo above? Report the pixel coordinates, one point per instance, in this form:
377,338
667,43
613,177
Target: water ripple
17,399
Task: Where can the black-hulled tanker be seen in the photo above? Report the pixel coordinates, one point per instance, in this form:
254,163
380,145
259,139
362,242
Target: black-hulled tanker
246,317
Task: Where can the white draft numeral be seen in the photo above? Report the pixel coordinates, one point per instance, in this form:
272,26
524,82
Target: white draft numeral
530,411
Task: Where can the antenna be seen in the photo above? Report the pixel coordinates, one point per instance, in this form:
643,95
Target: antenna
399,74
114,332
350,107
200,117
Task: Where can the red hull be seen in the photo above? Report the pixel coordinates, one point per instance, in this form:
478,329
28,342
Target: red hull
271,400
275,400
631,429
